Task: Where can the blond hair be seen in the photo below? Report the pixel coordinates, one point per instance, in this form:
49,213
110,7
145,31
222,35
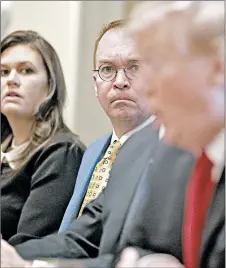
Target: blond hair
203,21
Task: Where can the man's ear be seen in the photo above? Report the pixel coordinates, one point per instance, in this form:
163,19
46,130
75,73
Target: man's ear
217,77
95,85
218,73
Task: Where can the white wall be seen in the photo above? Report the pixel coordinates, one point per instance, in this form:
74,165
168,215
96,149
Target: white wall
72,27
58,23
5,15
92,121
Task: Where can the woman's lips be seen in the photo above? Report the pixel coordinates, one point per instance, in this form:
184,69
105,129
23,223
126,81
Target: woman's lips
12,94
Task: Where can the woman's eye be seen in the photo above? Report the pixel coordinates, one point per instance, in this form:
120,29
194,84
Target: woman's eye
4,72
27,71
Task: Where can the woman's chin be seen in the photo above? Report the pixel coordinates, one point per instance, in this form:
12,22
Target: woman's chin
11,110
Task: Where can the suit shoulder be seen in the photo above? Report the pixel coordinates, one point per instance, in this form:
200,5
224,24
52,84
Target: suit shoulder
101,140
67,138
59,143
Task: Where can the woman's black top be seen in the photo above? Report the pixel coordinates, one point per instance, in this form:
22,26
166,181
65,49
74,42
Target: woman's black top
34,199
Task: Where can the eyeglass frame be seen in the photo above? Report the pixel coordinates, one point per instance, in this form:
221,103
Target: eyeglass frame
116,72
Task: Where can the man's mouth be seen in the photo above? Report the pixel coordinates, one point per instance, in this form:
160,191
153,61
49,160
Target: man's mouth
122,99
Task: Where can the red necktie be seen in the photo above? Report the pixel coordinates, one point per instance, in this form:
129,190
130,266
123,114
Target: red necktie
198,197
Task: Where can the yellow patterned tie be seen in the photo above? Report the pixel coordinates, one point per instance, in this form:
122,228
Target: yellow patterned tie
100,175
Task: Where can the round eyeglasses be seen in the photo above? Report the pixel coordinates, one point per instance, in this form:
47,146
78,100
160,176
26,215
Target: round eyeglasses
108,72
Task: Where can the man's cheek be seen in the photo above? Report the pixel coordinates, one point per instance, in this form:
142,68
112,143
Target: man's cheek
217,103
139,86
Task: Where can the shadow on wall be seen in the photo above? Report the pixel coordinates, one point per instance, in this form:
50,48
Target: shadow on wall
5,16
128,6
91,121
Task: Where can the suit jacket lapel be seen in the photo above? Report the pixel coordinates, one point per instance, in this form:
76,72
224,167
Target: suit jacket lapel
124,177
156,197
91,157
215,217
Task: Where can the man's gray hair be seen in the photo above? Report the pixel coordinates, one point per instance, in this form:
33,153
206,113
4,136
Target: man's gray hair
206,18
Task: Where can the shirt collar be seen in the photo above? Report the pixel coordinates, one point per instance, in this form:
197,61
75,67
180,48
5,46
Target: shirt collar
215,151
13,154
126,136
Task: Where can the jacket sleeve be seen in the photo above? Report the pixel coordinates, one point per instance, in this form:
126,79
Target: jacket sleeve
52,181
81,240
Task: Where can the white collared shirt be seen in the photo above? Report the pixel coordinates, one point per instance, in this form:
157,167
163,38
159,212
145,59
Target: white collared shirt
215,152
13,154
126,136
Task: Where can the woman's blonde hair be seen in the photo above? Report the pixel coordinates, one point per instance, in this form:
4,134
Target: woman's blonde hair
49,118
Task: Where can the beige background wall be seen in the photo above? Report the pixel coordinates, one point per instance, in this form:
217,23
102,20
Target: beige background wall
71,27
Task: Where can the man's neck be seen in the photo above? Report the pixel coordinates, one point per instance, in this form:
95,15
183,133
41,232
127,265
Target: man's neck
123,127
208,138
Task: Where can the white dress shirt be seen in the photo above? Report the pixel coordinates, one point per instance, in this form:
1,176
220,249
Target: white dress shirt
129,134
215,152
12,155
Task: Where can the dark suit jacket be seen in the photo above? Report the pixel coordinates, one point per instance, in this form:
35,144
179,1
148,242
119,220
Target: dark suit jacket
33,200
104,229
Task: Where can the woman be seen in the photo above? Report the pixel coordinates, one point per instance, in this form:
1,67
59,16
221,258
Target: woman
40,156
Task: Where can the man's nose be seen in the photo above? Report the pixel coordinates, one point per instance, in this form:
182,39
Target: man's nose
121,80
13,79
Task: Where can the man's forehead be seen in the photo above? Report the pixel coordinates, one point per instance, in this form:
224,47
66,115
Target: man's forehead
114,54
115,44
160,39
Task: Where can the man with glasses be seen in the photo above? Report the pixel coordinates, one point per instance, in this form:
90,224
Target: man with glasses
116,66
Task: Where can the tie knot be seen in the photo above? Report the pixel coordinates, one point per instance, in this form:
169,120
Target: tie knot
205,160
115,143
112,149
204,166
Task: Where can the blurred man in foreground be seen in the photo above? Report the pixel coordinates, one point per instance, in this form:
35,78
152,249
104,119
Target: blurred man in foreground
181,44
146,212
